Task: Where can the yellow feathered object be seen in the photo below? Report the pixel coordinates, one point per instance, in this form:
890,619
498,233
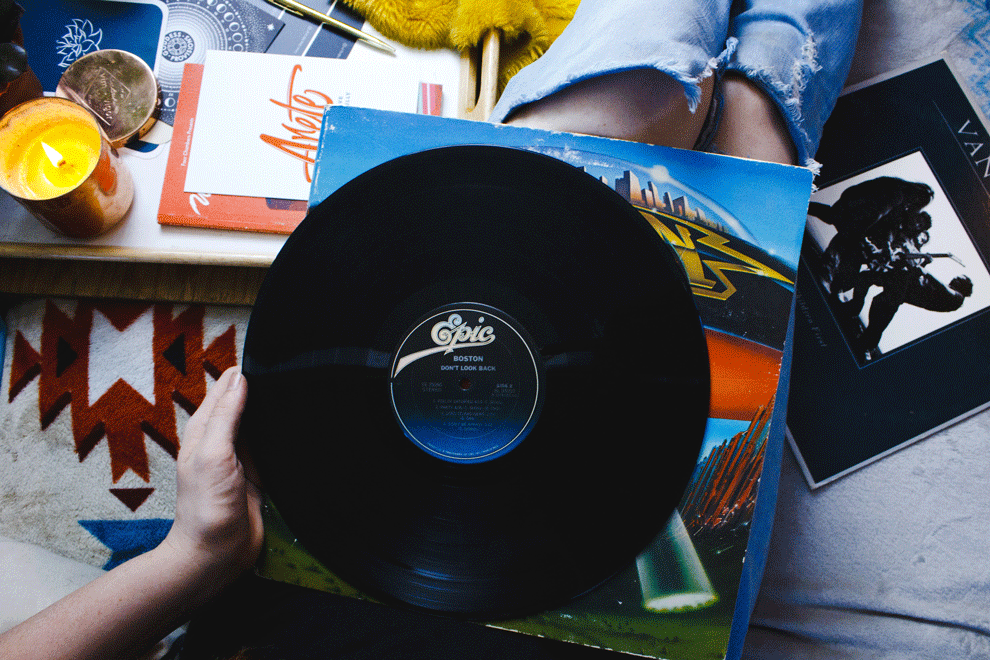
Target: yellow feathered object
527,27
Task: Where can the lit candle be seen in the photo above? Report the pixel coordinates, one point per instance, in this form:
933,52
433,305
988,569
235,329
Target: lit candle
66,172
55,160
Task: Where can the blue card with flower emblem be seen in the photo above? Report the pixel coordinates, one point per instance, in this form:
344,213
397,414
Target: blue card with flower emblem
167,34
58,32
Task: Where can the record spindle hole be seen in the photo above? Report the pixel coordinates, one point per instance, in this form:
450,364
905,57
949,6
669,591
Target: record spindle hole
465,384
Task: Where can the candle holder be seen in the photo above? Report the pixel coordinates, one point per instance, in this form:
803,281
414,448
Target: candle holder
57,162
119,88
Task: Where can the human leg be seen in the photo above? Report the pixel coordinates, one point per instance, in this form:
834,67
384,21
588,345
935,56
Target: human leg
751,124
636,70
793,56
785,62
643,105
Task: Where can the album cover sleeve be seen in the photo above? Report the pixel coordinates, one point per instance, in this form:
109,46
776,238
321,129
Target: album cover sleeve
736,226
893,288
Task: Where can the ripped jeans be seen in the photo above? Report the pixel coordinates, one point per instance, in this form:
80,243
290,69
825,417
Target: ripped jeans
798,51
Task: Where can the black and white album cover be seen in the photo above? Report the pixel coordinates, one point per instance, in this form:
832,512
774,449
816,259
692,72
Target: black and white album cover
892,325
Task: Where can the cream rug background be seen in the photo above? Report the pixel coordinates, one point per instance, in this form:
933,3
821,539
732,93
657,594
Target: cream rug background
93,399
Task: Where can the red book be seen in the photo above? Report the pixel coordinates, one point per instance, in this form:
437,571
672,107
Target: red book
178,207
213,211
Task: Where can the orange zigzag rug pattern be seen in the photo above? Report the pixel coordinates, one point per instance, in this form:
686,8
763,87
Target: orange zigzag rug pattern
121,414
95,396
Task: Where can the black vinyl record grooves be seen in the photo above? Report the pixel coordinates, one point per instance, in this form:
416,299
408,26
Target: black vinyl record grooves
478,384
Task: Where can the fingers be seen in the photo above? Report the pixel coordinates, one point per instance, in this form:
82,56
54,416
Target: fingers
225,397
225,414
218,514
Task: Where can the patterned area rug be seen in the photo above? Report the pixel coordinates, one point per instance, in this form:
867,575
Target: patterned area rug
93,399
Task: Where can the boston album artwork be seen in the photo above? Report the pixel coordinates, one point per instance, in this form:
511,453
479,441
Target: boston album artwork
735,228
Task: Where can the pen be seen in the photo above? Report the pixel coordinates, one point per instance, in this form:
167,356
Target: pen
300,9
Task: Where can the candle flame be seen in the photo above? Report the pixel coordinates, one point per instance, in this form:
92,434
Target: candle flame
58,160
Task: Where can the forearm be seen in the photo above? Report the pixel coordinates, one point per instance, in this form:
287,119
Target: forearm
118,615
217,535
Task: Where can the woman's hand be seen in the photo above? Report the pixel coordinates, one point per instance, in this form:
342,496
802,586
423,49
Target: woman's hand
218,514
217,535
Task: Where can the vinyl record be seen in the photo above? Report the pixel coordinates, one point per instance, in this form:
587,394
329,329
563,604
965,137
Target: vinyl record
478,384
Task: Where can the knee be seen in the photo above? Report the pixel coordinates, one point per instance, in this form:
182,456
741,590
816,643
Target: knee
751,124
642,105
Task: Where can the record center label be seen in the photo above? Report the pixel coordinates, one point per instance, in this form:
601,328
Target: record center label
466,384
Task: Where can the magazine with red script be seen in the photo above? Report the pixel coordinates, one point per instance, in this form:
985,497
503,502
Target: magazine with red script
178,207
217,211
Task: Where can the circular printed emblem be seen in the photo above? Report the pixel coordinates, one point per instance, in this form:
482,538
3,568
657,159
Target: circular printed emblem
466,384
198,26
179,46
